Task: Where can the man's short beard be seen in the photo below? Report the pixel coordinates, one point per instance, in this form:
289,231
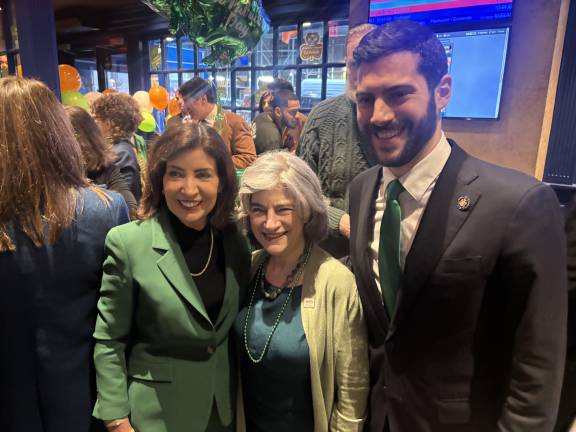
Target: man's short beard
424,131
287,125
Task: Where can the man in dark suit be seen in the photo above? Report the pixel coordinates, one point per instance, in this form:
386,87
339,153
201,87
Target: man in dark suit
464,292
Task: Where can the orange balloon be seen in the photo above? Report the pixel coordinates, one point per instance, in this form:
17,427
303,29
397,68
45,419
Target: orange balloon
159,97
69,78
174,107
109,91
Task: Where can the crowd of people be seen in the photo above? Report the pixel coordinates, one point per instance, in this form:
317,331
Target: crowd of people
355,270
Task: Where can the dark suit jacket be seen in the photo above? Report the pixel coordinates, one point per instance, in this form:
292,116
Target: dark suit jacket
127,162
477,339
159,358
48,301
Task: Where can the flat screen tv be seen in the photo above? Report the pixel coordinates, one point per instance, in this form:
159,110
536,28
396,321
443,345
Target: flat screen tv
437,12
476,62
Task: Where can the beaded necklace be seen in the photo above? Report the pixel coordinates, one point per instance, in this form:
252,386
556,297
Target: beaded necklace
290,282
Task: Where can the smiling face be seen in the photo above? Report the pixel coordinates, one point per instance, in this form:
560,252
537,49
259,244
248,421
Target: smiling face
397,111
190,186
276,224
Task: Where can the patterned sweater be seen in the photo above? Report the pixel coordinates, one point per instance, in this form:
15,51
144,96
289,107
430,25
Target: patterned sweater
332,146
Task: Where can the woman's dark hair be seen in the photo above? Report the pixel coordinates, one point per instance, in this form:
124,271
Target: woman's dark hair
175,141
97,152
404,35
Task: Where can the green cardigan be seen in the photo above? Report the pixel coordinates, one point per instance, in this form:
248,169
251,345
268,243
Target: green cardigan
159,359
334,325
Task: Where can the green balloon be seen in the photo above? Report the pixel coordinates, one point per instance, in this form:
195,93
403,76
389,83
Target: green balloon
148,123
74,98
231,28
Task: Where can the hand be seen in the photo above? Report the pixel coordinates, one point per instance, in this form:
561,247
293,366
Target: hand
344,225
119,425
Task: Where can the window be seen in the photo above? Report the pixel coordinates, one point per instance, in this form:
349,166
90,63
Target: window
309,55
117,73
9,51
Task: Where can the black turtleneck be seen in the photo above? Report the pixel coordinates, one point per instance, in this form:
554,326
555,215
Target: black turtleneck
195,246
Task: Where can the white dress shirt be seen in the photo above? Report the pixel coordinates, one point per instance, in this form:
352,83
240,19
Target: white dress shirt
418,185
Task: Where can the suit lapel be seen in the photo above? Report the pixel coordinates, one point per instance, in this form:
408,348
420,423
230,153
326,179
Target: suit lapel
440,223
172,264
365,232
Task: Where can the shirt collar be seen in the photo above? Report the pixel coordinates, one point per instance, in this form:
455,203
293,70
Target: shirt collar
211,117
419,179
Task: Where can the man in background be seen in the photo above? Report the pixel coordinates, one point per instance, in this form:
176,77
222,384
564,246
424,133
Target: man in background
198,103
331,144
271,127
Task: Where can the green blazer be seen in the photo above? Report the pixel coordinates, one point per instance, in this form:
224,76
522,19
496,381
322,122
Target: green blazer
159,359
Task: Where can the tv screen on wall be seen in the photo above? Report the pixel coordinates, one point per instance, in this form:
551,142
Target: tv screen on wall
476,62
437,12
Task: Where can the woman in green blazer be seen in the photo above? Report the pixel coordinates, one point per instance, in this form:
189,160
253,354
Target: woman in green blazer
170,292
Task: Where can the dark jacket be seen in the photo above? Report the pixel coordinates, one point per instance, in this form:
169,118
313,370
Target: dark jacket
48,301
110,178
128,164
477,339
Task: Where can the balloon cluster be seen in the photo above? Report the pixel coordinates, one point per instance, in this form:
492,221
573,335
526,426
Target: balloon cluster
231,28
157,97
70,83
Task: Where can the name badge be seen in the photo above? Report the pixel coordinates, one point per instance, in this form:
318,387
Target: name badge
308,302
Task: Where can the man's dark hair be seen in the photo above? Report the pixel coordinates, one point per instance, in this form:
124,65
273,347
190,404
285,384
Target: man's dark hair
280,84
404,35
280,99
196,88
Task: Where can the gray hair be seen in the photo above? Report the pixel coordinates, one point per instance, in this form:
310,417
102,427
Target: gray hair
281,169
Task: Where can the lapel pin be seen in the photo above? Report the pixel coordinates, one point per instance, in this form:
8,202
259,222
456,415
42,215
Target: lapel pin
463,203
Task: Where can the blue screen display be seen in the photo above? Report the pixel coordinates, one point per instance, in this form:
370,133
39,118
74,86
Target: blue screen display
476,62
436,12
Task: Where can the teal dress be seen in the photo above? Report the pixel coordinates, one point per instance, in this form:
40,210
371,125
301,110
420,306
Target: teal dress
277,391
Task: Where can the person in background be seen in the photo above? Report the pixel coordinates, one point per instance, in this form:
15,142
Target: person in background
52,230
171,290
304,361
460,264
118,116
198,103
276,85
99,156
283,115
332,145
264,122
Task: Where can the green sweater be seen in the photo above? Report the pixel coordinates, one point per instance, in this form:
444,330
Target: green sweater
332,146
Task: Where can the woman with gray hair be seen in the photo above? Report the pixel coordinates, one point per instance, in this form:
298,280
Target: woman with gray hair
304,360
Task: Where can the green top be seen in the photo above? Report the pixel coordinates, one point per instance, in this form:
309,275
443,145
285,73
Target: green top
277,391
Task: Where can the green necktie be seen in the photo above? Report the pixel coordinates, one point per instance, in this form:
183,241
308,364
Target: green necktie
389,249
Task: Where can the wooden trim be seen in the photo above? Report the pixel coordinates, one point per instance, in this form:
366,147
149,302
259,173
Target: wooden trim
552,88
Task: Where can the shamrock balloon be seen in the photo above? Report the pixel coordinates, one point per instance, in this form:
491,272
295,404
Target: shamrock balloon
231,28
